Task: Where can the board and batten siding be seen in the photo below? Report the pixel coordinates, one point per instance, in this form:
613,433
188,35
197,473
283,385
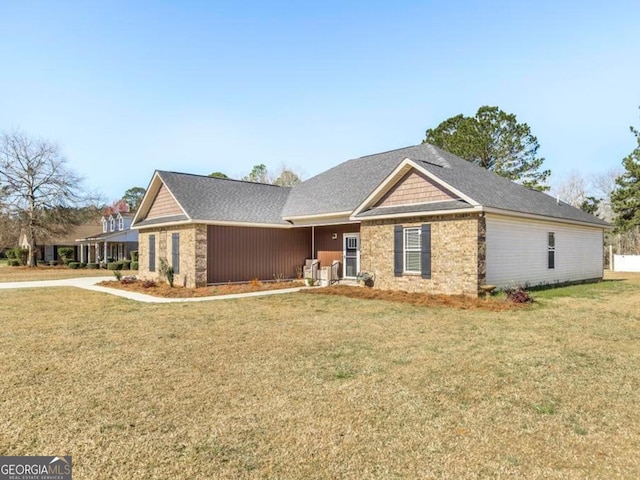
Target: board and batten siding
241,254
517,252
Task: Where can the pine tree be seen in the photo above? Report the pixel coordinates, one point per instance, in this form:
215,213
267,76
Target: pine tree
625,199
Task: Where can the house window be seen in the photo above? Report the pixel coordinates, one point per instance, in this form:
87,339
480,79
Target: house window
152,253
104,225
112,224
175,252
412,250
551,249
120,223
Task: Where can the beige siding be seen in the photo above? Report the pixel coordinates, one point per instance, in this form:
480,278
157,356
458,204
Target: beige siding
163,205
414,187
517,252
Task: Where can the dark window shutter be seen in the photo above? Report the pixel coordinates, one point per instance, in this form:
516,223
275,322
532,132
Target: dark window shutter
175,252
425,253
397,250
152,253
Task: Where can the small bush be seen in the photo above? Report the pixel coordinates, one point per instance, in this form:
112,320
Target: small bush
149,284
255,282
166,271
66,254
94,266
19,254
53,263
126,264
82,265
134,255
134,266
14,263
117,274
73,265
518,294
114,266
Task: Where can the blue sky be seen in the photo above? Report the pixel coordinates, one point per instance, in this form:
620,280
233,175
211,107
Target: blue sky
129,87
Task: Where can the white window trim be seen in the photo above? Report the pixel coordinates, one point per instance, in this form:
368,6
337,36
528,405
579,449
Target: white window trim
105,227
112,224
120,223
405,249
551,248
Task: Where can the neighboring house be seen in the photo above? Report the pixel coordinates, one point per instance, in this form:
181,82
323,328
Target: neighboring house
418,218
48,250
115,242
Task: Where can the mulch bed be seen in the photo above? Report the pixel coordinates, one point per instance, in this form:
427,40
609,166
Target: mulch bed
162,289
419,299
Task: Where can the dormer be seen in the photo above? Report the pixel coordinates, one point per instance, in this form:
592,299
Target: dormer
120,220
112,223
105,225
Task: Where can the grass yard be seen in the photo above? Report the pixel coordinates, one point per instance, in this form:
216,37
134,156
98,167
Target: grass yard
315,386
23,274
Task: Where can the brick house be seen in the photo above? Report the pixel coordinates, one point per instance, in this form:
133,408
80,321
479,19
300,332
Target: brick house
418,218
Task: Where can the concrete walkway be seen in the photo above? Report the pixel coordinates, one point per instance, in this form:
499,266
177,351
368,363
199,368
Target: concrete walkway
89,283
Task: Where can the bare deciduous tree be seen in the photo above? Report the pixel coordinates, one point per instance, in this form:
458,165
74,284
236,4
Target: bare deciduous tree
573,189
41,192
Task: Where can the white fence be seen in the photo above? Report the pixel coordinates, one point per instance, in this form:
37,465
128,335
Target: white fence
626,263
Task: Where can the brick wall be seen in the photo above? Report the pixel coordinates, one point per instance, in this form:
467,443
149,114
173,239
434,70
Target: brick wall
457,254
193,253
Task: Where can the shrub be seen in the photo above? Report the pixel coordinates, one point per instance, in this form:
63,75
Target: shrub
149,284
93,265
518,294
126,264
114,266
82,265
166,271
19,254
134,266
14,263
73,265
117,274
134,255
66,254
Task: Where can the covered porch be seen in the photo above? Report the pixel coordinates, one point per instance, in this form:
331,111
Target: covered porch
107,247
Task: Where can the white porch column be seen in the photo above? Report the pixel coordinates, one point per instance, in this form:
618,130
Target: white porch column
96,252
81,252
105,251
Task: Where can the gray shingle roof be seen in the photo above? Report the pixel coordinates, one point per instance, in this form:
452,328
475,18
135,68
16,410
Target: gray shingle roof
160,220
209,199
491,190
415,208
346,186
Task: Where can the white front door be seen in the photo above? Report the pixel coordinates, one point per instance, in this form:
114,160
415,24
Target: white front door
351,255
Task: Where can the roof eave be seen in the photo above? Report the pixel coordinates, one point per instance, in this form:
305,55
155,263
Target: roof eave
417,214
513,213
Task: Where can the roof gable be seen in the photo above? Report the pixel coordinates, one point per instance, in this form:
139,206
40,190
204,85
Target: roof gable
414,187
206,199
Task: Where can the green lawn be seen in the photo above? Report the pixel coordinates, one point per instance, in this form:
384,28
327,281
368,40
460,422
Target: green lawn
312,386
